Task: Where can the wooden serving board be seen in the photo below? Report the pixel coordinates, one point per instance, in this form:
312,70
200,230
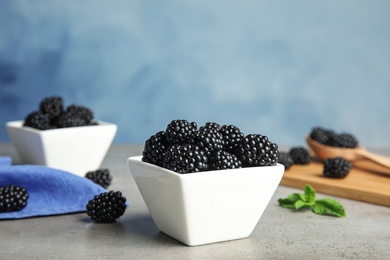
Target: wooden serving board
360,184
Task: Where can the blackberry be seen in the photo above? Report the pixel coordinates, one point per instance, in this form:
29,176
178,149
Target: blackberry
100,176
257,150
187,158
52,106
12,198
67,119
211,125
106,207
231,136
337,167
343,140
154,149
180,132
81,112
321,135
222,160
300,155
209,140
37,120
285,159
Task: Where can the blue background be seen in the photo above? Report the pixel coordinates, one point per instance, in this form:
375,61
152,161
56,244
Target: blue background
277,68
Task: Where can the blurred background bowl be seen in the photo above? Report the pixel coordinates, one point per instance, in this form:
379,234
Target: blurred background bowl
74,149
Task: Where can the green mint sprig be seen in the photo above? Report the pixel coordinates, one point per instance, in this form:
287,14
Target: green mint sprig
308,200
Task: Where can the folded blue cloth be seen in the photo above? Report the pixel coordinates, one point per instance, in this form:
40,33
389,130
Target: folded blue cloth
51,191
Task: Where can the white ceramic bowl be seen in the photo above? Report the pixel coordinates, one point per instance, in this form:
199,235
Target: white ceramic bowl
206,207
74,149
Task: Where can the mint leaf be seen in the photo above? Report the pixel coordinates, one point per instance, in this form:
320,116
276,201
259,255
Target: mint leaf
302,204
309,197
290,201
303,197
310,194
308,200
329,207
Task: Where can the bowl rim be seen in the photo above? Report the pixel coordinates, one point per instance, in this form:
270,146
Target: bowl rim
18,124
138,159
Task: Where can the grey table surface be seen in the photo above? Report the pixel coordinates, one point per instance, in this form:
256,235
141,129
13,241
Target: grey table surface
280,233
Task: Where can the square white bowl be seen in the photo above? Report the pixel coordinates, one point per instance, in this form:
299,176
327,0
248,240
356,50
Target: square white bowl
73,149
206,207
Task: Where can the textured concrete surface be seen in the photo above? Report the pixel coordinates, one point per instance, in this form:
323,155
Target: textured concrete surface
280,233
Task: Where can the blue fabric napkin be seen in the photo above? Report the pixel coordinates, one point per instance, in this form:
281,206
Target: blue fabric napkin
51,191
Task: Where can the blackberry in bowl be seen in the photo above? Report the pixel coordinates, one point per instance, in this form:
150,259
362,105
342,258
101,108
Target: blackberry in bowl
201,196
67,139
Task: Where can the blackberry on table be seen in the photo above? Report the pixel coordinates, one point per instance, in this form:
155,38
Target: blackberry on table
222,160
52,106
257,150
106,207
185,158
300,155
285,159
337,167
13,198
37,120
180,132
231,136
154,149
100,176
209,140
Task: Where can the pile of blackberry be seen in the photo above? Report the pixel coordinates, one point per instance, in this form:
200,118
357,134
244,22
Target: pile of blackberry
106,207
13,198
52,114
331,138
185,148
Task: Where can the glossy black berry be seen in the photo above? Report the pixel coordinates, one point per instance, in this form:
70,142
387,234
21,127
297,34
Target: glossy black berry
300,155
211,125
257,150
106,207
337,167
185,158
100,176
209,140
154,149
13,198
180,132
285,159
222,160
52,106
231,136
37,120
